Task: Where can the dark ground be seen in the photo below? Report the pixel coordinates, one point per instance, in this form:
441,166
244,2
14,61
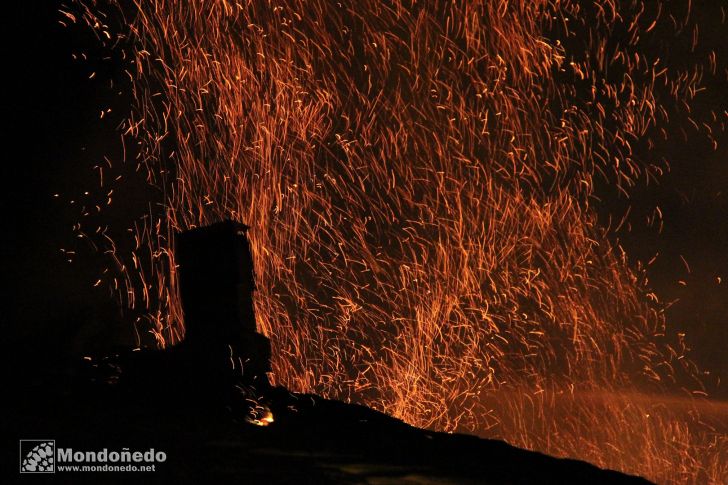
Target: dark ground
312,440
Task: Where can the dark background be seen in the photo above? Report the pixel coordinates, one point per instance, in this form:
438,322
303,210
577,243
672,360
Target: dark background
54,138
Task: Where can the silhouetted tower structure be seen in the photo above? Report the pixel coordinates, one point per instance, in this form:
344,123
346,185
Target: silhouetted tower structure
216,283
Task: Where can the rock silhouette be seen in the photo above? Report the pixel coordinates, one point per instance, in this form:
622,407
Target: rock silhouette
208,404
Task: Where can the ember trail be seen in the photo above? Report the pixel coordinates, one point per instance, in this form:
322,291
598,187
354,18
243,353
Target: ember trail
423,184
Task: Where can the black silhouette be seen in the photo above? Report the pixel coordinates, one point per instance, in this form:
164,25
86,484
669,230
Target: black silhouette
208,404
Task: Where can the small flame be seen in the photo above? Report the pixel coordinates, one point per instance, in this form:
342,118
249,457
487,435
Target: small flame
263,417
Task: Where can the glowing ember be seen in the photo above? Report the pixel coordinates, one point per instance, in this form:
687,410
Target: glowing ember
421,181
260,416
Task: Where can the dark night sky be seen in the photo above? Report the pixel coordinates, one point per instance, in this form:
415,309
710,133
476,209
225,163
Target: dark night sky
56,137
52,309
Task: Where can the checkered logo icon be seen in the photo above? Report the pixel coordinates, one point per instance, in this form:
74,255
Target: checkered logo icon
37,456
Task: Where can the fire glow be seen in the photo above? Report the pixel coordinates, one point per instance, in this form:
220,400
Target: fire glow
421,182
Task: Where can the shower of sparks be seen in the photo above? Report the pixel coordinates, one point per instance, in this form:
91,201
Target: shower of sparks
422,181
